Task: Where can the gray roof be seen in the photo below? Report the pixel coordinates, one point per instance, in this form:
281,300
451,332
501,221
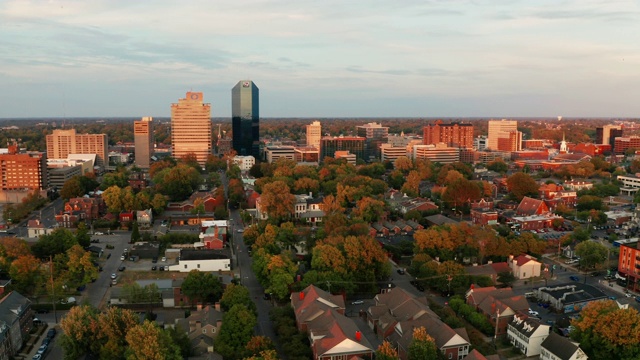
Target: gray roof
201,255
574,292
559,346
12,307
162,284
440,219
525,326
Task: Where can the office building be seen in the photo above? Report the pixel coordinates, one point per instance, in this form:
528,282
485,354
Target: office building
510,141
275,153
500,129
330,144
245,163
453,134
439,153
308,154
191,127
61,143
392,153
375,135
480,143
607,134
622,144
314,134
245,118
143,140
26,171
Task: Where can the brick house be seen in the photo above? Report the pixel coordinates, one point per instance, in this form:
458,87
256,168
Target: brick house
497,303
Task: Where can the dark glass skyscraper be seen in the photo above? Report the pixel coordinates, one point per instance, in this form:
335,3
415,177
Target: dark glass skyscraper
245,118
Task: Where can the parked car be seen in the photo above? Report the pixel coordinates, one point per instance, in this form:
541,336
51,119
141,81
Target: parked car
37,357
108,255
574,278
164,259
638,299
113,275
51,333
121,268
154,260
533,312
401,271
153,268
358,302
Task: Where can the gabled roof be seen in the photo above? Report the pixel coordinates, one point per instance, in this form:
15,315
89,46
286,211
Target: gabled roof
560,346
334,334
442,334
489,299
527,326
531,206
12,306
314,300
523,259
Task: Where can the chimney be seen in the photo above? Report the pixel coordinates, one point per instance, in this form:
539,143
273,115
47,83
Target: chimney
301,295
217,306
216,232
358,335
199,307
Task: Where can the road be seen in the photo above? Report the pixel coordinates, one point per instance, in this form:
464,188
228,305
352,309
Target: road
47,218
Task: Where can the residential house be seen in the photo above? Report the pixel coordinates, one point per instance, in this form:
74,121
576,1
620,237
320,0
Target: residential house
126,216
418,204
67,220
524,266
35,228
306,207
16,321
439,219
497,304
331,334
527,334
202,328
208,199
212,241
556,347
217,228
554,195
202,260
482,216
574,185
87,208
144,218
491,270
454,344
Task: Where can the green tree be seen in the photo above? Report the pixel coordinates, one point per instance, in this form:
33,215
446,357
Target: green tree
235,332
82,235
236,294
202,287
58,242
506,277
178,182
114,324
592,254
159,202
422,346
72,188
79,332
135,233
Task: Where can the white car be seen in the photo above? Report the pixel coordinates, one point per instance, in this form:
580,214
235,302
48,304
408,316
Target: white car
98,233
358,302
113,276
240,230
164,259
533,312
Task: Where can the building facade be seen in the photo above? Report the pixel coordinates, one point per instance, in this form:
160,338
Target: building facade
143,140
191,127
453,134
607,134
274,153
245,118
499,129
354,144
314,134
437,153
61,143
23,171
375,135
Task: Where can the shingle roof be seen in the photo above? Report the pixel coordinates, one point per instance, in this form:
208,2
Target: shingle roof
560,346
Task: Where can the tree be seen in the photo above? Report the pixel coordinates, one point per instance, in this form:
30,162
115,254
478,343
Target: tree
178,182
82,235
26,274
148,341
422,346
592,254
202,287
277,201
521,185
506,277
113,199
80,268
114,324
235,332
158,203
498,166
460,193
72,188
58,242
386,352
369,209
236,294
403,164
79,332
135,233
259,344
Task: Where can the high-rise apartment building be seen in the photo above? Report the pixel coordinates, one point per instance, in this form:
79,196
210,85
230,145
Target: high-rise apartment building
453,134
501,129
191,127
26,171
510,141
245,118
314,134
61,143
375,135
354,144
143,141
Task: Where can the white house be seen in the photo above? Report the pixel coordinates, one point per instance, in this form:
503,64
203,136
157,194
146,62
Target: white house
556,347
202,260
35,228
527,334
524,266
244,162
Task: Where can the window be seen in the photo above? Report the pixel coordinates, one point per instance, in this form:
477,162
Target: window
450,356
185,266
198,266
204,331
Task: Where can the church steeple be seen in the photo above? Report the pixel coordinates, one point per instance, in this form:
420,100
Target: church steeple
563,145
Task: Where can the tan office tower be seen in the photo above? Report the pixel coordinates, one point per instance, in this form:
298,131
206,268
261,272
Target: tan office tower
191,127
314,134
64,142
143,140
499,129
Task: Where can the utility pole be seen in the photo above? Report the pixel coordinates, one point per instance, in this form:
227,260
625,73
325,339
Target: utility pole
495,334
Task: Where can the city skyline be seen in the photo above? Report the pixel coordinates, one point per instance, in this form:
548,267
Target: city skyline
66,59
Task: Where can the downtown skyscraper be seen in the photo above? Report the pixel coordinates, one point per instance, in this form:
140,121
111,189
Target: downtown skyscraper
191,127
245,118
143,141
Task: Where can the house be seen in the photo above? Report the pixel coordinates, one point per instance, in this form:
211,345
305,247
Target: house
209,200
202,260
210,227
126,217
35,228
396,313
570,297
144,218
483,216
212,241
67,220
16,321
524,266
536,222
530,206
306,207
491,270
527,334
202,328
556,347
494,303
418,204
439,219
145,250
87,208
331,334
578,185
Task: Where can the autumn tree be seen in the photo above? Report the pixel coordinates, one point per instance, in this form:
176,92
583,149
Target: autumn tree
80,268
147,341
277,201
403,164
235,332
72,188
386,351
369,210
258,345
306,185
114,324
411,186
521,185
79,332
26,274
158,203
461,192
422,346
202,287
12,248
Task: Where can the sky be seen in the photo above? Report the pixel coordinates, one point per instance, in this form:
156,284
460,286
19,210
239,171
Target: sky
328,58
